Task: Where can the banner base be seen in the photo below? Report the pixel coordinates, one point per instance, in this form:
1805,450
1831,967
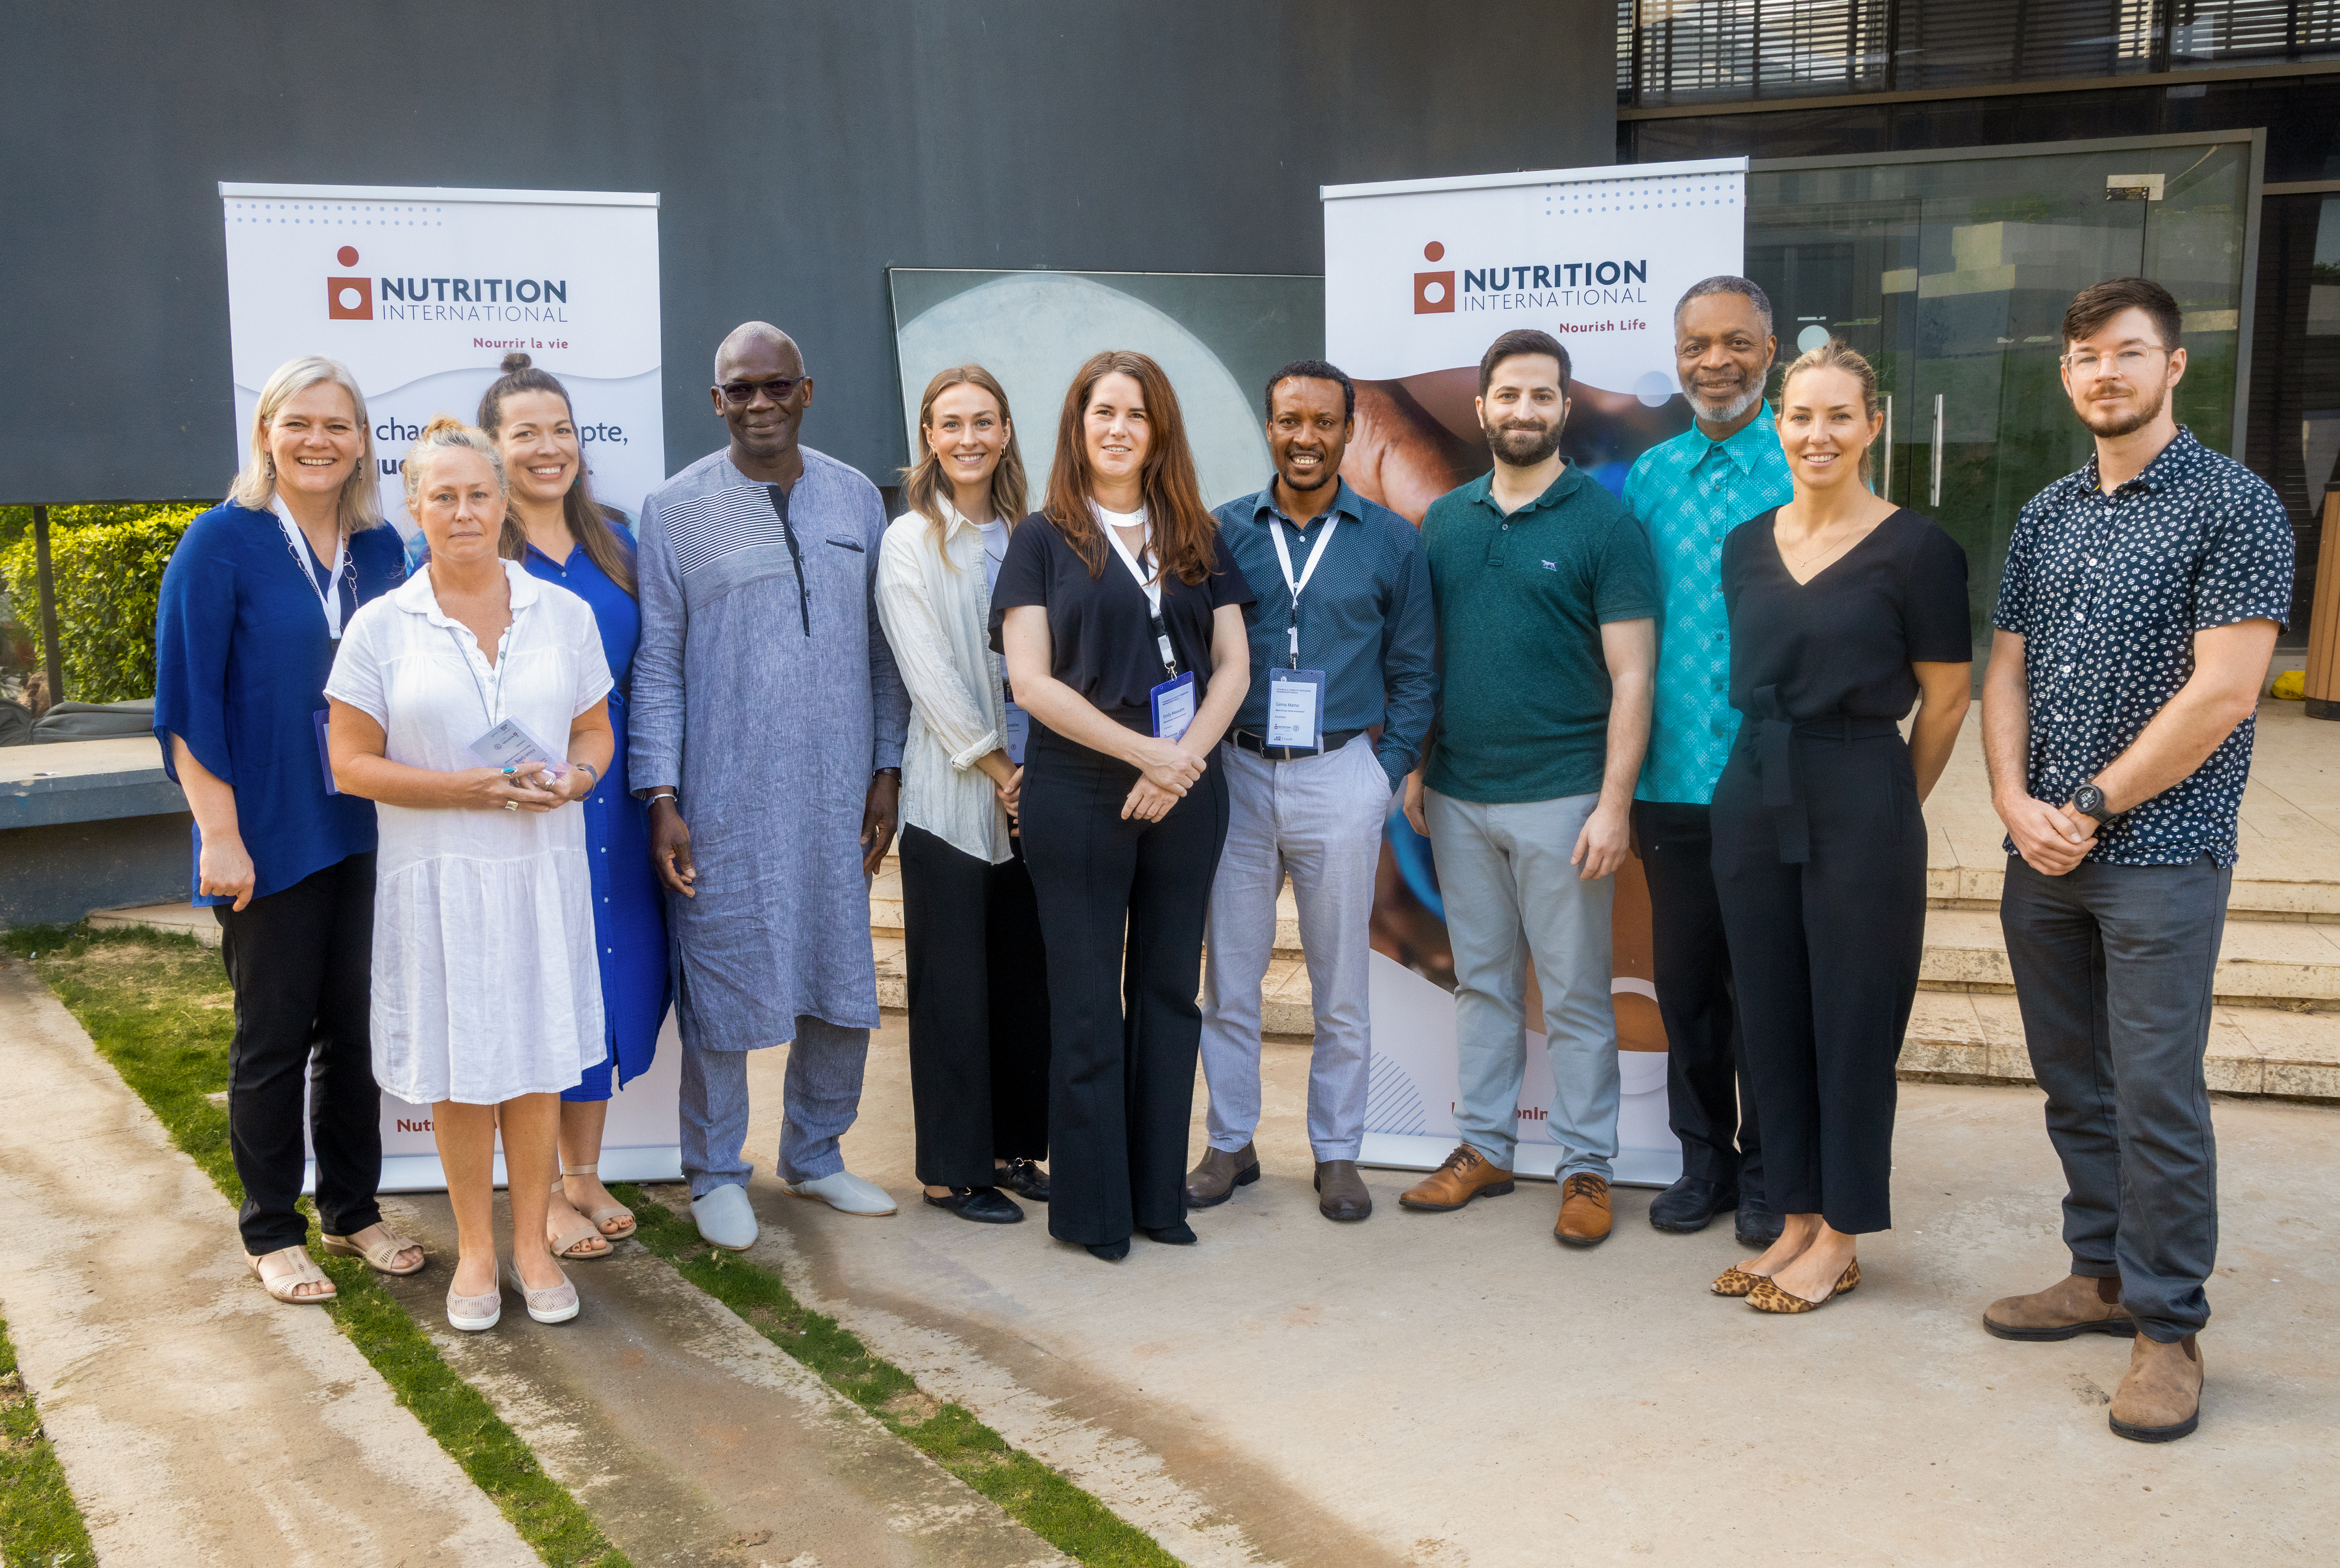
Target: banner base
421,1173
1413,1152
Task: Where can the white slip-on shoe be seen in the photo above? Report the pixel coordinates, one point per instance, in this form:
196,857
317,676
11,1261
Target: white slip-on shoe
724,1218
844,1192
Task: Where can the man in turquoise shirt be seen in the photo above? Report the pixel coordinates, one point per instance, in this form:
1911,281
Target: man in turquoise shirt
1688,492
1545,600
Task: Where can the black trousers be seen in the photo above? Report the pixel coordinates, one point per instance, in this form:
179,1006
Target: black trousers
1124,1021
1824,954
1709,1101
978,1011
300,960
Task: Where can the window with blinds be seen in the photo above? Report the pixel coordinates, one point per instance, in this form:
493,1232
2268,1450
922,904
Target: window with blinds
1704,50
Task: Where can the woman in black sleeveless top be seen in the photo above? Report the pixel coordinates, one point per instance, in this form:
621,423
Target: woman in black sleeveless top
1845,611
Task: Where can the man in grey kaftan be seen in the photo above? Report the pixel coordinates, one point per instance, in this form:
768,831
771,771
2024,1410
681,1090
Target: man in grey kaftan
765,699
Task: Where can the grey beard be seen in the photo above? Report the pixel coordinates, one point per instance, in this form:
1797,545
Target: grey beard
1724,413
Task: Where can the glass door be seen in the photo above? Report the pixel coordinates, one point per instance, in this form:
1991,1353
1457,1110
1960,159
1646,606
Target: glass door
1952,275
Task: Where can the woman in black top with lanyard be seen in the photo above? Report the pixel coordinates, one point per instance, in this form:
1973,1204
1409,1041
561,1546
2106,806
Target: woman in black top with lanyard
1845,609
1120,611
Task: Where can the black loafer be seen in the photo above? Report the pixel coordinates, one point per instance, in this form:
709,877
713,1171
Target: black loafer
1025,1179
983,1204
1757,1224
1691,1204
1179,1235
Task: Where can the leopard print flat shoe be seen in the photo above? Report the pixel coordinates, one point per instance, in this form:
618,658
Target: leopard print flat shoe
1769,1297
1737,1281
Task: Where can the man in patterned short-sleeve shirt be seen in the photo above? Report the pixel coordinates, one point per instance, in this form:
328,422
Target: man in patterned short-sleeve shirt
1687,494
2140,604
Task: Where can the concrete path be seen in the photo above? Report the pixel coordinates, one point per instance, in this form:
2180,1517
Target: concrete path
199,1422
1442,1390
691,1439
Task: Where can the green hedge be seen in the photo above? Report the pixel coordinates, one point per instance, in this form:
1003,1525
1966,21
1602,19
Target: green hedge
108,563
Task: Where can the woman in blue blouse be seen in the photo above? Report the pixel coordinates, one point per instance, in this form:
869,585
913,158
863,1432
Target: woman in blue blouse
251,609
556,532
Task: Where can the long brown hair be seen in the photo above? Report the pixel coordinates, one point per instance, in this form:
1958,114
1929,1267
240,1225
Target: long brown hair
923,484
1182,526
589,521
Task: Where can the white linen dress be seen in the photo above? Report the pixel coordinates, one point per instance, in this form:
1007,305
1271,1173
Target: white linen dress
484,981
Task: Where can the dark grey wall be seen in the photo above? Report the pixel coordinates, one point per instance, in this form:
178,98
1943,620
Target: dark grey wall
800,146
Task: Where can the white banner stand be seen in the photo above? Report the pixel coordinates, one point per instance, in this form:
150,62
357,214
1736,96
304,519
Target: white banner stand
642,1141
1409,1095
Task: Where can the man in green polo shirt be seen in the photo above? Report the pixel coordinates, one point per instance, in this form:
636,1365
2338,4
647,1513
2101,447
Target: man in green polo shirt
1546,602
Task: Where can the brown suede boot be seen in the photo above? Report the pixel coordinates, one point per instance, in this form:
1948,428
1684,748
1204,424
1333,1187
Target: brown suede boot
2065,1310
1583,1211
2160,1400
1466,1174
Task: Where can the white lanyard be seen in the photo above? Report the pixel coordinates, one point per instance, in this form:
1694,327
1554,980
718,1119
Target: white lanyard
1284,559
1151,587
329,596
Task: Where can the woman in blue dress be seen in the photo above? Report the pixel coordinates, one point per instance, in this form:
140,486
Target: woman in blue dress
556,532
252,610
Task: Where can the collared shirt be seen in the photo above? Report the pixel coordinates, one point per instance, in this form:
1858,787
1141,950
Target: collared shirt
1687,494
935,601
1520,599
2107,593
1366,616
241,656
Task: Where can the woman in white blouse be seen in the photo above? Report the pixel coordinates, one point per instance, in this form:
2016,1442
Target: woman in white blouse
487,1001
970,924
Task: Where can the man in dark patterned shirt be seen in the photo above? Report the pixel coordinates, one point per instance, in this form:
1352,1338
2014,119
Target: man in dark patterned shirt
2139,606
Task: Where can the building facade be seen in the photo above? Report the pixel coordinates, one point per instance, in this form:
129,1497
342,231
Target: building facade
1932,178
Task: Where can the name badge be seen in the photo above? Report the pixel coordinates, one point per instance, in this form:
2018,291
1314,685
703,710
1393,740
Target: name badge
1295,708
511,743
1174,706
1020,730
325,752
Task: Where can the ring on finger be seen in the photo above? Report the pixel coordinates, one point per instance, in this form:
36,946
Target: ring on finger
512,805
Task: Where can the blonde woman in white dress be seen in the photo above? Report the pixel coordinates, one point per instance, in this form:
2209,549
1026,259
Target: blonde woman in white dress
487,1002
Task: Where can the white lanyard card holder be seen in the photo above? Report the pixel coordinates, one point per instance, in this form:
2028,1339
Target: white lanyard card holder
1295,708
511,743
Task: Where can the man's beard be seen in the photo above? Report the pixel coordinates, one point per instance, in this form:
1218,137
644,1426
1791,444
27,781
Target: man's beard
1724,413
1522,449
2113,426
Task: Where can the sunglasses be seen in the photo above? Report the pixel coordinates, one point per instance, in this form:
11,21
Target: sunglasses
741,393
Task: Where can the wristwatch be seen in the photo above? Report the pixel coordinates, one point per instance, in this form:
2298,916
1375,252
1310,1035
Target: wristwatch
2089,801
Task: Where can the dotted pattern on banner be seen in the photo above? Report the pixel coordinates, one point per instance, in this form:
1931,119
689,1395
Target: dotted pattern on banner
338,214
1649,193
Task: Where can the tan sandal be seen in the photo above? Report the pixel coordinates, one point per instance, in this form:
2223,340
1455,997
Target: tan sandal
564,1244
602,1217
380,1255
299,1269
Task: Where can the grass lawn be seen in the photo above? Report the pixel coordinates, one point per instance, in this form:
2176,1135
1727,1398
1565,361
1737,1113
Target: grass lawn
158,1007
40,1527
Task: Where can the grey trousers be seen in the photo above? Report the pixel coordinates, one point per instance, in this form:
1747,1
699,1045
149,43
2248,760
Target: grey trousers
1511,896
2112,967
1317,820
820,1096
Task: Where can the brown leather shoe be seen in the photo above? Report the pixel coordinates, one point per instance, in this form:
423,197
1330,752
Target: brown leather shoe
1466,1174
2160,1400
1341,1192
2065,1310
1583,1211
1215,1179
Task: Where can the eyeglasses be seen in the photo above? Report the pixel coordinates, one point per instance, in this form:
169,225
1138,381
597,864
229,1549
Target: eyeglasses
2124,362
742,393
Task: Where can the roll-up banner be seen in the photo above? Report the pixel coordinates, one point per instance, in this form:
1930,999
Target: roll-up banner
1420,276
422,292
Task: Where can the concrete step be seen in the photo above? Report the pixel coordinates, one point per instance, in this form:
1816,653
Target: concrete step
2263,964
200,924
